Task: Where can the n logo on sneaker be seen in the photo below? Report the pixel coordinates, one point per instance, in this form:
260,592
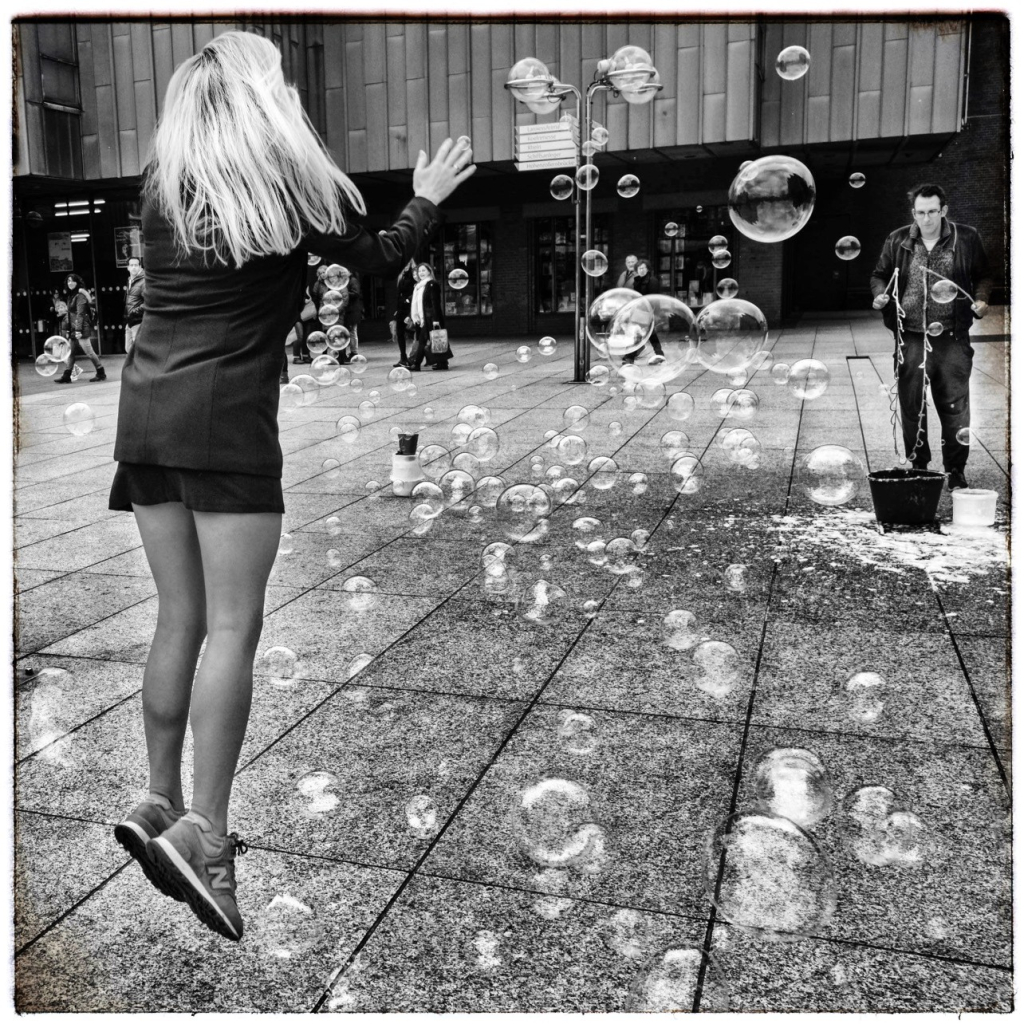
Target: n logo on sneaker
219,877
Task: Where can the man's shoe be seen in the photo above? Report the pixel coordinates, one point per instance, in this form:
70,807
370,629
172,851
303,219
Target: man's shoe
920,464
149,820
101,374
200,866
655,359
956,479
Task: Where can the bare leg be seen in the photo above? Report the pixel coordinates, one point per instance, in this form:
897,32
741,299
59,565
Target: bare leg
172,548
238,553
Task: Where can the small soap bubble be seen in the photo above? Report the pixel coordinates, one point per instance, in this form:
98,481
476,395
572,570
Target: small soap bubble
857,179
428,493
421,814
594,262
848,247
325,370
333,524
717,242
331,469
458,279
336,277
348,429
46,367
456,485
553,826
934,329
329,314
880,833
736,577
638,483
792,782
650,394
671,229
614,429
547,345
358,364
943,291
523,354
621,556
780,373
598,376
596,555
963,436
338,337
686,474
727,288
792,63
490,371
742,405
864,692
720,259
587,177
730,332
280,663
400,378
79,419
718,666
334,559
670,981
423,517
575,417
808,379
366,411
673,443
585,530
286,545
720,401
56,348
542,603
321,792
316,342
600,135
831,474
604,473
591,608
680,406
577,732
363,593
519,510
561,186
628,186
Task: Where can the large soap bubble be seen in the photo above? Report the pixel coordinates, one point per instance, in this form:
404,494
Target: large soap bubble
831,474
619,321
808,379
529,80
775,880
673,323
772,198
518,509
730,333
553,824
793,783
792,63
56,348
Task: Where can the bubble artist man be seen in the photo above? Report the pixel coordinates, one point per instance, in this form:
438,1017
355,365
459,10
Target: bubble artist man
931,328
199,461
134,300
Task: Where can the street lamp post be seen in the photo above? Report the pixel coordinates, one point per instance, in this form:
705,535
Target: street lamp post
630,73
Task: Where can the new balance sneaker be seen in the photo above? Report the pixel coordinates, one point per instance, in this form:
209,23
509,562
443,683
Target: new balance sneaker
655,359
199,865
147,821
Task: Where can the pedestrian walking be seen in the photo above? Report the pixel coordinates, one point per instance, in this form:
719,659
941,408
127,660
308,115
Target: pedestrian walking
426,311
76,325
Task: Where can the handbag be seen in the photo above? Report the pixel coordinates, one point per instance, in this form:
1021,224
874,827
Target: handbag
308,310
439,340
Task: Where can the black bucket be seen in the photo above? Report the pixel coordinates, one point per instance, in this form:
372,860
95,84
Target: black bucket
407,443
905,496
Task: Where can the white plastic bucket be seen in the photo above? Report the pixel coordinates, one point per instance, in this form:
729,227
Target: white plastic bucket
974,506
406,473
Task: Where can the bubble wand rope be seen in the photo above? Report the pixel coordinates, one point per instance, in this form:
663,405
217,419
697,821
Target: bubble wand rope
941,277
894,415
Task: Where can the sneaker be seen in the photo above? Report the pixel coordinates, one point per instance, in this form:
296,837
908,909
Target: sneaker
200,866
655,359
956,479
101,374
146,822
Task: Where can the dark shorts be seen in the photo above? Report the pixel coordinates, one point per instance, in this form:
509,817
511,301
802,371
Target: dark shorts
197,489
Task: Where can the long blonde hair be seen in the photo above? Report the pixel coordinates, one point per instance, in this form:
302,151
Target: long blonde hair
237,168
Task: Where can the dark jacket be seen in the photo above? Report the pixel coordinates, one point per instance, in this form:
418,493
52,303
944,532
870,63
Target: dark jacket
78,319
134,300
406,283
200,388
354,309
970,268
627,279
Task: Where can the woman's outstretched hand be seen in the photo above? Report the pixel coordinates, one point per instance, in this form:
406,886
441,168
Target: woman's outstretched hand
451,166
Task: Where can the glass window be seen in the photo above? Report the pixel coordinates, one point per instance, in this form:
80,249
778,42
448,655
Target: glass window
465,247
57,39
683,261
60,82
555,261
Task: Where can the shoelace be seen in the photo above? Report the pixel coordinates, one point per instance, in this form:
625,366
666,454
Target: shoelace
239,845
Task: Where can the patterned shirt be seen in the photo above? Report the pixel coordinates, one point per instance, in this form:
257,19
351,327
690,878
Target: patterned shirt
919,307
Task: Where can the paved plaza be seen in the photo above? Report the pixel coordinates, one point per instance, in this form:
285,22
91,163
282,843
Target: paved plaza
380,788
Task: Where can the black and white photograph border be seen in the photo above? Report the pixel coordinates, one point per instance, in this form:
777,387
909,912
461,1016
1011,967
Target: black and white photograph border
627,643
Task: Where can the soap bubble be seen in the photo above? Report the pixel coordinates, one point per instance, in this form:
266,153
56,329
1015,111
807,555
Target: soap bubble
742,447
671,229
604,473
772,199
400,378
600,135
312,259
286,928
585,531
619,321
456,485
577,732
280,664
717,243
338,337
719,668
638,483
856,179
518,510
335,298
333,524
742,405
366,411
490,370
807,379
497,552
79,419
775,880
594,263
553,826
334,559
523,354
943,291
542,603
736,577
673,322
329,314
727,288
325,370
621,556
686,474
721,258
673,443
650,394
848,247
428,493
963,435
629,185
363,593
547,345
45,366
680,406
587,177
792,783
576,417
598,376
474,415
880,833
532,80
331,468
483,443
336,276
458,279
680,632
436,460
792,63
720,401
358,364
572,449
321,790
56,348
316,342
421,814
589,148
780,373
831,474
615,429
488,490
561,186
460,432
864,696
669,983
729,334
935,329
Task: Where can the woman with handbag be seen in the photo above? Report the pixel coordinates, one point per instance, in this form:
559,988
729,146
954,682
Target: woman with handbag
426,309
199,460
76,326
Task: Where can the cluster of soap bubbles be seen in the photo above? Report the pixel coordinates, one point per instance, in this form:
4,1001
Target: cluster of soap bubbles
56,350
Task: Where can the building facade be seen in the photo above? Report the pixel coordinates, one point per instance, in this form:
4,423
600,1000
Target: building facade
901,100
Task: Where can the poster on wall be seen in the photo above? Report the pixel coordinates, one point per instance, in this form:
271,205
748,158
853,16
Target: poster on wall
59,245
127,243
